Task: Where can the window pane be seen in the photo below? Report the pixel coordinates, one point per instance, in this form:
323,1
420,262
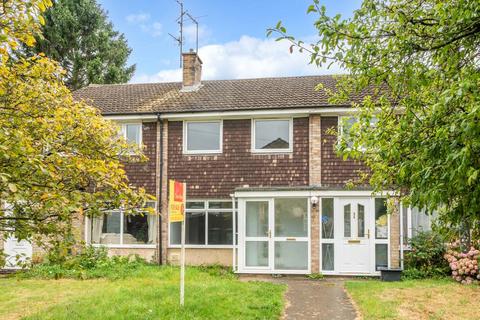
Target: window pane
109,225
347,232
139,229
346,126
405,224
220,228
256,218
381,219
203,136
328,257
291,217
381,256
195,205
327,218
421,221
175,233
256,253
133,133
272,134
291,255
195,228
361,221
220,204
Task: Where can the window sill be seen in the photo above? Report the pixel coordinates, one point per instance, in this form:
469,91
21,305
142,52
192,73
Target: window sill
125,246
202,153
272,151
219,246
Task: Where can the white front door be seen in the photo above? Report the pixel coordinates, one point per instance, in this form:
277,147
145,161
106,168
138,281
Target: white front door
17,252
274,235
355,250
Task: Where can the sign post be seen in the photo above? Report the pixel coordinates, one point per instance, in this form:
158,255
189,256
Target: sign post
176,204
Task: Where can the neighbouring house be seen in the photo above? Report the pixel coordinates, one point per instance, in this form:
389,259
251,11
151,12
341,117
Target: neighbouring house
266,191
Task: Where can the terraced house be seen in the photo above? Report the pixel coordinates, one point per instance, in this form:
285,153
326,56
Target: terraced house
266,190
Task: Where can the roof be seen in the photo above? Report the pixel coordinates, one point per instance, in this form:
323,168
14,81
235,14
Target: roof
214,95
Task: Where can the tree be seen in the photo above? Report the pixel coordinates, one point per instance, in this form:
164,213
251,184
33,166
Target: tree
79,36
58,157
421,58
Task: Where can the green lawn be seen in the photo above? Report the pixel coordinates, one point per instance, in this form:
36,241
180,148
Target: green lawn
150,293
415,299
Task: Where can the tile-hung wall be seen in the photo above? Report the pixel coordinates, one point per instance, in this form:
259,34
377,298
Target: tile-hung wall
215,176
335,171
131,234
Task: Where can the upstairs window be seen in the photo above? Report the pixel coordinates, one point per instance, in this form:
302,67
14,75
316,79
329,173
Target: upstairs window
132,132
272,135
202,137
345,126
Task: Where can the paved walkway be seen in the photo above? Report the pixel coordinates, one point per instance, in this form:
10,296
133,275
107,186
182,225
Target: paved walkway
315,299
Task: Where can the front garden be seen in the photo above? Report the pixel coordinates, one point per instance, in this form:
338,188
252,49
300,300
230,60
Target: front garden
415,299
96,287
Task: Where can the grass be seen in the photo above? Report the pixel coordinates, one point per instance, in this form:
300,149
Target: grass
415,299
151,292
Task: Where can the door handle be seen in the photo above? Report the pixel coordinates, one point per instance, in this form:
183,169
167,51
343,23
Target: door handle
368,233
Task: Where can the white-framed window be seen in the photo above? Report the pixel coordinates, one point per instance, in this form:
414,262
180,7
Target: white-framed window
208,223
382,226
272,135
116,229
345,124
132,132
328,234
414,221
202,136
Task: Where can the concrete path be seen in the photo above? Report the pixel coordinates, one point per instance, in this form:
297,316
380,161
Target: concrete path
316,299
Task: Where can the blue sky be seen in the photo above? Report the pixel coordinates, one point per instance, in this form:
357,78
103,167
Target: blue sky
232,42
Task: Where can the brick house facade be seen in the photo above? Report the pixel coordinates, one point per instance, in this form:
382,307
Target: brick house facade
293,190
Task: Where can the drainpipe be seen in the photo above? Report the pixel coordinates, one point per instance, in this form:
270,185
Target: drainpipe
159,200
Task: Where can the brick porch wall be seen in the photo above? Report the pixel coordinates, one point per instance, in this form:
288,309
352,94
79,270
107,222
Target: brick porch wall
395,234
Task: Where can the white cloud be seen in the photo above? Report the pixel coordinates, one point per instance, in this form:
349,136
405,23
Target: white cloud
137,18
190,35
143,20
156,29
248,57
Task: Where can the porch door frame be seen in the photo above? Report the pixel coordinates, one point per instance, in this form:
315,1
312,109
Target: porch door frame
242,268
338,229
340,240
242,237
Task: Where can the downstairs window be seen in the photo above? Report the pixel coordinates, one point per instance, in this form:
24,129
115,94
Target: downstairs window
207,223
117,228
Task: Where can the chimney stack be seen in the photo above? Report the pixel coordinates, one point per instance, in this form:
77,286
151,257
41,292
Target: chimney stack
192,71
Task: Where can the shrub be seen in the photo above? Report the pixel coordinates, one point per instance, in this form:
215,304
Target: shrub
464,265
425,259
89,262
316,276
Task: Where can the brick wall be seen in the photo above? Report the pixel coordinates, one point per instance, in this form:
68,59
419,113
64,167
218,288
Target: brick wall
142,174
315,151
216,176
336,171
